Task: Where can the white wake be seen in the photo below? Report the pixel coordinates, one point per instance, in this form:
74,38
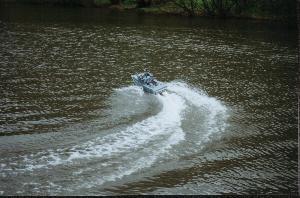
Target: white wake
140,145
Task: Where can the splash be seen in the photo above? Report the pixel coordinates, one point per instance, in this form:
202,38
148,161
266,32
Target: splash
216,112
140,145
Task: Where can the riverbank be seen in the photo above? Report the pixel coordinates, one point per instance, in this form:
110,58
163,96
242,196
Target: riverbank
171,9
282,11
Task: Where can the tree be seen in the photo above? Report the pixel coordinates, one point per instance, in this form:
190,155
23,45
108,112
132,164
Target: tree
115,2
220,8
188,6
143,3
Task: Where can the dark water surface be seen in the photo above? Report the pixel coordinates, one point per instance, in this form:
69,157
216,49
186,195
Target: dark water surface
71,123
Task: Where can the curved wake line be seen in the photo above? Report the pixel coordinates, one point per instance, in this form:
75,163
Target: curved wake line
166,122
138,134
140,145
216,111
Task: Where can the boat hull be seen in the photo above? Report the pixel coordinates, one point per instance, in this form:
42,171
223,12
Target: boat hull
156,87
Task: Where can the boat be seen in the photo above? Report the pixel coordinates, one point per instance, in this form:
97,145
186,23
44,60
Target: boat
148,82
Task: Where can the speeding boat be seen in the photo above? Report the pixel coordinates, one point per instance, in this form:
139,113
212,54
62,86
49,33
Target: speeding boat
147,81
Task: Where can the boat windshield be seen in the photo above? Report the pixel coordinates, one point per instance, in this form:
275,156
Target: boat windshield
148,78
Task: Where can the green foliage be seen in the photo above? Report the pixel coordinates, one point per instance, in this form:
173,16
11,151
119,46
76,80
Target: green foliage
129,2
219,7
224,8
189,6
102,2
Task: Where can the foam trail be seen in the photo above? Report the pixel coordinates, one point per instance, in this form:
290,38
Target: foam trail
132,88
165,122
140,145
211,105
138,134
146,161
169,122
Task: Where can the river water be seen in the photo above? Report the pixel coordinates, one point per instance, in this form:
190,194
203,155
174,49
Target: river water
72,123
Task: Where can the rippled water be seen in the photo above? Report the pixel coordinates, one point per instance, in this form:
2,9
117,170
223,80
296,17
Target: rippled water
71,123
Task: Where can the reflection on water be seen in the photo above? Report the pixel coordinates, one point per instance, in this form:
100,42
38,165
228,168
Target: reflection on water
71,123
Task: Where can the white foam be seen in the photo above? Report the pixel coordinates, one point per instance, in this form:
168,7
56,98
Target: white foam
213,107
141,163
140,136
167,121
131,88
